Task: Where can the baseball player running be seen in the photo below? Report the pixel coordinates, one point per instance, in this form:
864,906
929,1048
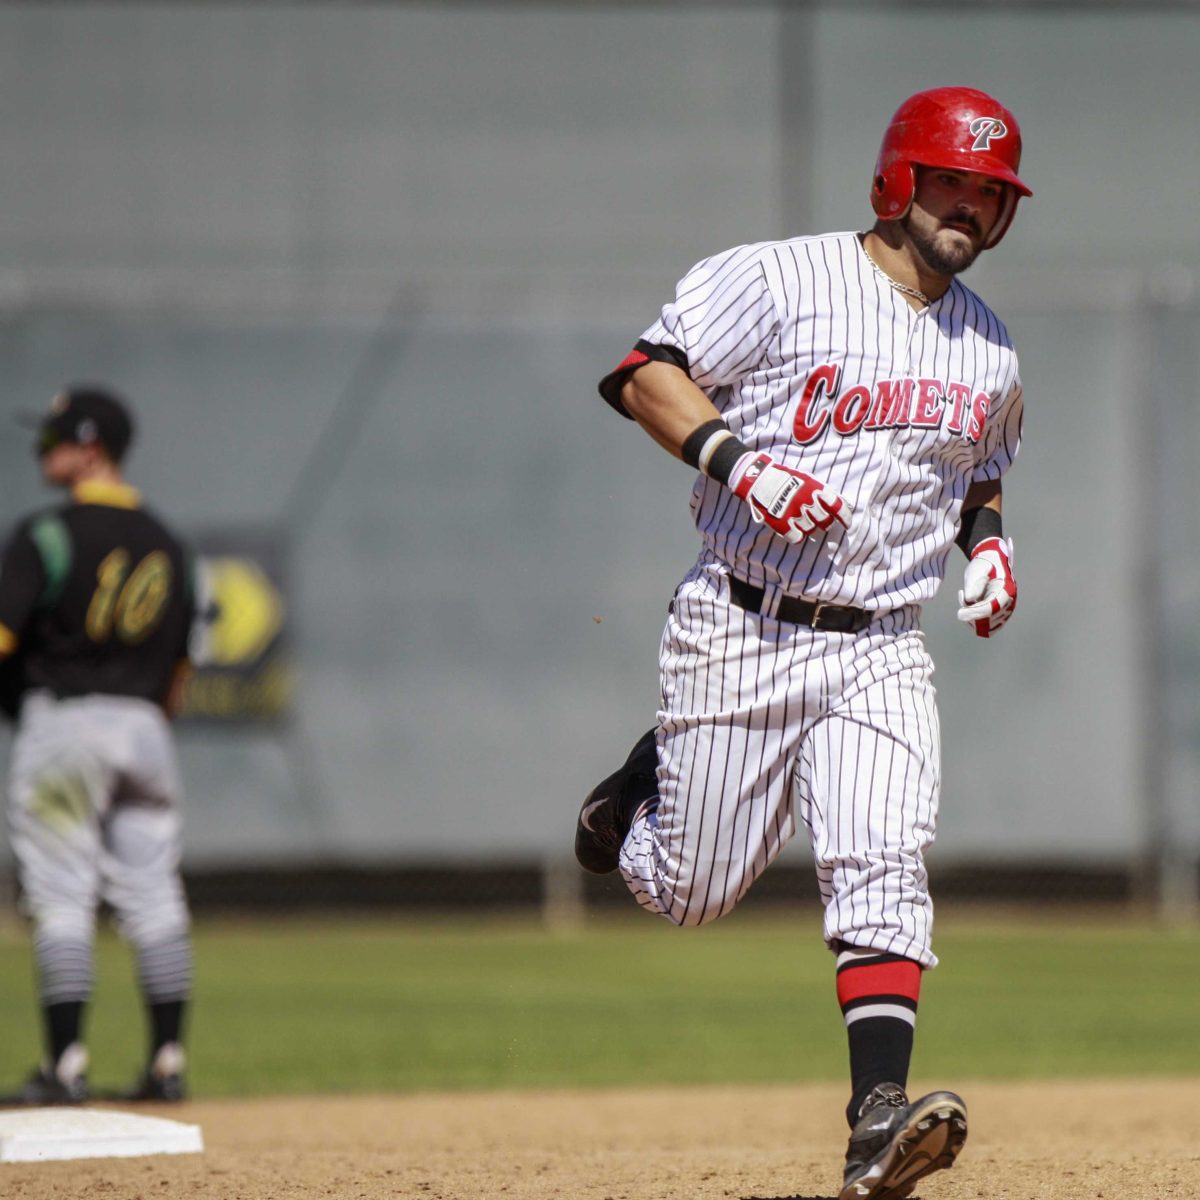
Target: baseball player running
95,610
850,407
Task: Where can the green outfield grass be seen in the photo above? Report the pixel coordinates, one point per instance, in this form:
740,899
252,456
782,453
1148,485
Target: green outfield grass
323,1005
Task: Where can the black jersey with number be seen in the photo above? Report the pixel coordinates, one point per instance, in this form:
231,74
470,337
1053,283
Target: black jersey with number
96,597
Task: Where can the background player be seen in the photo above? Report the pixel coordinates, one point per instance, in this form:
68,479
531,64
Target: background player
851,407
95,611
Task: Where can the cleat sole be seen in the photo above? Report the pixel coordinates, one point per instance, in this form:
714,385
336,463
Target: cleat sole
930,1141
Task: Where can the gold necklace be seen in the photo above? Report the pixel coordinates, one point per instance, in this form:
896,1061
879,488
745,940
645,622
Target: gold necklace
895,283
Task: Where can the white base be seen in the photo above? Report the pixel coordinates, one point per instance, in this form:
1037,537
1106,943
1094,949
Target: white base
51,1134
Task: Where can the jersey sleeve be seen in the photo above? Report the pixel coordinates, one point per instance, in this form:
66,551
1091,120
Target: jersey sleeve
715,329
722,318
22,583
997,448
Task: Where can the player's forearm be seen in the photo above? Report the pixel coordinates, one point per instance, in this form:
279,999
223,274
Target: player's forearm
682,419
667,405
988,493
173,702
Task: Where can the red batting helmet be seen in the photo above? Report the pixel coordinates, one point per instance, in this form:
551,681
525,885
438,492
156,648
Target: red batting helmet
956,127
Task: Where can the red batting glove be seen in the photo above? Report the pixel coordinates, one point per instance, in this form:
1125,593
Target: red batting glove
989,592
792,503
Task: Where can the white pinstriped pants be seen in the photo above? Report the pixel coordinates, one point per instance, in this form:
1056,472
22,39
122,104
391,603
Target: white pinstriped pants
762,720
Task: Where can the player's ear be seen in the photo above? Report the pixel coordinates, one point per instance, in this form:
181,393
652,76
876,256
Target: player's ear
97,455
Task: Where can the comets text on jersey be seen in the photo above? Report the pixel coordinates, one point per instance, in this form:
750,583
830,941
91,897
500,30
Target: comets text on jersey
891,404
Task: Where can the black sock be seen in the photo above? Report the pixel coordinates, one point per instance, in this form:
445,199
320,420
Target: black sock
880,1050
166,1024
63,1023
878,995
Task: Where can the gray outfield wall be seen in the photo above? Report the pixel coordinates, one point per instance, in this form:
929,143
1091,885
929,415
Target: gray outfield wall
398,245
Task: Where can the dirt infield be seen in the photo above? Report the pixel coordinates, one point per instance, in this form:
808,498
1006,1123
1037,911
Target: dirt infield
1046,1141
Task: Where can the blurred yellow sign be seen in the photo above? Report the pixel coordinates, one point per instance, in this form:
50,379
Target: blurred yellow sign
243,669
249,611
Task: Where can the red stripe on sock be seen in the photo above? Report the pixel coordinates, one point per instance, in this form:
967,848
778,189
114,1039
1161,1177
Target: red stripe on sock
879,979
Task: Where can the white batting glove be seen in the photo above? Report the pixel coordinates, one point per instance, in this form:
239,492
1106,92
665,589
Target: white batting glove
989,592
790,502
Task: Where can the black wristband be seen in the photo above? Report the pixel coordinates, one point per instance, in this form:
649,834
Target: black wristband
697,439
724,458
977,526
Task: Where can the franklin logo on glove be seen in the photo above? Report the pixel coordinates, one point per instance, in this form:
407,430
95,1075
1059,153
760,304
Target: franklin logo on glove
792,503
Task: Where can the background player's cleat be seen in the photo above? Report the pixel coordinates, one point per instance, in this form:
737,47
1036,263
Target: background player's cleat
65,1082
607,812
895,1144
163,1081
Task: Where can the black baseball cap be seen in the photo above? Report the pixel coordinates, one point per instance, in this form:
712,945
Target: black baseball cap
85,414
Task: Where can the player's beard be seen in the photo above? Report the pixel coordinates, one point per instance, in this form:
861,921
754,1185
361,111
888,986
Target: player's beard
950,257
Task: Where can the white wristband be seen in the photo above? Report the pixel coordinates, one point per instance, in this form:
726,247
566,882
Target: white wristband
707,450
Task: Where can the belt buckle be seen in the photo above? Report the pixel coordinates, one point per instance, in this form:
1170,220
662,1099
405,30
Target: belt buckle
818,608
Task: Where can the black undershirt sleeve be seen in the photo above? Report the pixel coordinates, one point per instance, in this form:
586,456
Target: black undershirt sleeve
612,383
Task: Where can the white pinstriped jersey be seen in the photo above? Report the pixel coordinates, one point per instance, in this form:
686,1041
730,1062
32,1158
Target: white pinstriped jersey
811,356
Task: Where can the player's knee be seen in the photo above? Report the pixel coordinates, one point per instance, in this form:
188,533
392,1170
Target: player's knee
685,889
672,909
687,901
155,925
62,923
696,915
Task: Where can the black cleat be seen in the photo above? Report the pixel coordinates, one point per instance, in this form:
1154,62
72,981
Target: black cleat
607,812
63,1083
896,1144
157,1089
163,1082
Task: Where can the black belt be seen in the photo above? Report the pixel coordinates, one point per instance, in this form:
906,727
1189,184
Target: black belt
828,618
